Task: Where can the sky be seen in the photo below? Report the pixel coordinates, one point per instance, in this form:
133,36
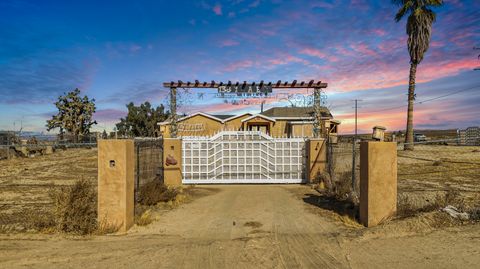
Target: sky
122,51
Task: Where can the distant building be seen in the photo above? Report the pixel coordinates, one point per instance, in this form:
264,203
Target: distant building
276,122
469,136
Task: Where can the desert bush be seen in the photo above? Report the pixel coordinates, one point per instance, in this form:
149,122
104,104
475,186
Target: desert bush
343,186
75,208
406,207
144,219
474,213
454,198
324,177
154,192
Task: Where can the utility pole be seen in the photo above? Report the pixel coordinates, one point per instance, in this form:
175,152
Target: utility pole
354,149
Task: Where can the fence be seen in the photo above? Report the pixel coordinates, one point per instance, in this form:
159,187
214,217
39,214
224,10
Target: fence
340,164
148,161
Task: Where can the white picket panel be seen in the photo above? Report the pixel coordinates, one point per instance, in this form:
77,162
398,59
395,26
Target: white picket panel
243,157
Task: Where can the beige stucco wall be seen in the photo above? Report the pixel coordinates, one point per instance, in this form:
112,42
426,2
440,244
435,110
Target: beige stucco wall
279,129
209,127
116,183
316,157
302,130
236,123
172,173
378,182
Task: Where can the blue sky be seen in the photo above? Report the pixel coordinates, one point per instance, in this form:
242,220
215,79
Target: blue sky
121,51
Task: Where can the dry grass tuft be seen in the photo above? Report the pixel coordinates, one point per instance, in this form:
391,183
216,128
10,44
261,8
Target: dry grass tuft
155,192
475,213
145,218
75,208
343,187
253,224
407,207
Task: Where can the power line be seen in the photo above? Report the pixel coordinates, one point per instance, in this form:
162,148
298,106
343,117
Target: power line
429,100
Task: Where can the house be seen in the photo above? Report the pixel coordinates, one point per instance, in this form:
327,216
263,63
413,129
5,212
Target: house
276,122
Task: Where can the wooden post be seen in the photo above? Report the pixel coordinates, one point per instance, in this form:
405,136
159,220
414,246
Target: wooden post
318,114
173,112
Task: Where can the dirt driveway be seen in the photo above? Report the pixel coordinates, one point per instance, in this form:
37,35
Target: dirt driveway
249,226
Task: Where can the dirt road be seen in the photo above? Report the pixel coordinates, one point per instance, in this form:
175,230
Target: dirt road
254,226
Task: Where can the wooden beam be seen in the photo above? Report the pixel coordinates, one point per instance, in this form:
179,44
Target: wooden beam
277,85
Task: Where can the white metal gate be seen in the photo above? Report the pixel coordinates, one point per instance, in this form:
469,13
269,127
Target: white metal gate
243,157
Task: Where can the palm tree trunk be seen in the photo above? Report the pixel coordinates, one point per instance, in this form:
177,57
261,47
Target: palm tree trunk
411,98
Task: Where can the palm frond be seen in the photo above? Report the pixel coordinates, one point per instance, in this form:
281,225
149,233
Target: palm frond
434,3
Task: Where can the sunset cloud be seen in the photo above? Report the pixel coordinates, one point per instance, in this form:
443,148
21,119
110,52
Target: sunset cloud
217,9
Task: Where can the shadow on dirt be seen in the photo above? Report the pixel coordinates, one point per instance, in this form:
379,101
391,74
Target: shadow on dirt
341,207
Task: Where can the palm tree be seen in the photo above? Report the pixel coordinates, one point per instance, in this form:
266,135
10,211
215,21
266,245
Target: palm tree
419,29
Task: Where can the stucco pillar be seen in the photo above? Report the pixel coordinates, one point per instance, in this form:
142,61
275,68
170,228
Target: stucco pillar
316,157
172,161
116,183
378,182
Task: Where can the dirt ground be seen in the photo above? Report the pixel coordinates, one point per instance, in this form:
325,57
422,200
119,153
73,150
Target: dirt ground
250,226
428,170
25,182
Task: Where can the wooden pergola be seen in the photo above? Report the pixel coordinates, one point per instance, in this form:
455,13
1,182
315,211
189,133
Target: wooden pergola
316,85
276,85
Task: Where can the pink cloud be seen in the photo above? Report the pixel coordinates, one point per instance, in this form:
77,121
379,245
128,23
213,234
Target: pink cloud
238,65
217,9
286,59
229,43
379,32
319,54
363,49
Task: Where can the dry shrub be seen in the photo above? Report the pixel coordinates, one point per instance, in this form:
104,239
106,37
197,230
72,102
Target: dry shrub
76,208
104,227
144,219
474,213
406,207
343,186
154,192
454,198
325,178
437,163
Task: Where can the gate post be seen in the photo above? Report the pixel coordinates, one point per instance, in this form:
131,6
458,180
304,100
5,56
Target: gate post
316,157
172,161
116,183
378,182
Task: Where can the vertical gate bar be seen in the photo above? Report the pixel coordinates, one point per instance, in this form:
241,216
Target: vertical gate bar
138,168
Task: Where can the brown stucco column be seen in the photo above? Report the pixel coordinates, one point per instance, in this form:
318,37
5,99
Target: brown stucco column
116,183
316,157
172,161
378,182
